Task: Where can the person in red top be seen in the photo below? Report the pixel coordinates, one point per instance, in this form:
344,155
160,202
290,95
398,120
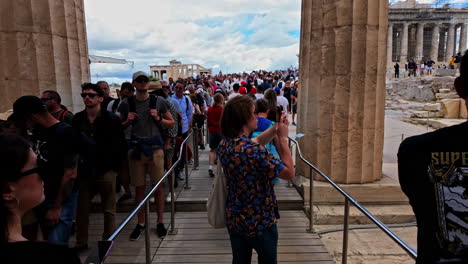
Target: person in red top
214,128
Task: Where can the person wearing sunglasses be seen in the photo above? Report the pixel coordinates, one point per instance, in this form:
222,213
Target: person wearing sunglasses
21,190
148,115
53,101
54,143
105,129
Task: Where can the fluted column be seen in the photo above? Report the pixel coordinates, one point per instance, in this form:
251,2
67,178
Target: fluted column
390,45
462,44
449,52
44,47
435,43
404,43
342,103
419,42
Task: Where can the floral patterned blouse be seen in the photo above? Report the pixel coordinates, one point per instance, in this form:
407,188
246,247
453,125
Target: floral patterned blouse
249,168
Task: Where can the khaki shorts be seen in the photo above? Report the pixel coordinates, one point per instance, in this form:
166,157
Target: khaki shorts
138,168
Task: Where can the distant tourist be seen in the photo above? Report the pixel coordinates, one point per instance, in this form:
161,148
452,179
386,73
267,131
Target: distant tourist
397,70
433,170
107,98
430,66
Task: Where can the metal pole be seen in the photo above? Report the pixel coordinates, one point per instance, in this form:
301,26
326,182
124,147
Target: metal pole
186,164
344,257
172,231
402,137
147,234
195,147
290,181
195,158
311,208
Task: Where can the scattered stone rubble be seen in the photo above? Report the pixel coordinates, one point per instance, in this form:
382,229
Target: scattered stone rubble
426,97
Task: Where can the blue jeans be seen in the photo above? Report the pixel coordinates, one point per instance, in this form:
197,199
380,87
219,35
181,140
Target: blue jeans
60,233
265,246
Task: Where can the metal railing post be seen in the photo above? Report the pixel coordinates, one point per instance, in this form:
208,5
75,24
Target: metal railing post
195,147
344,257
290,150
147,234
173,231
311,208
186,165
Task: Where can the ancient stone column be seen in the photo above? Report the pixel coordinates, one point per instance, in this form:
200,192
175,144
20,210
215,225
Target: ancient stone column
449,52
462,44
342,102
435,43
44,47
404,44
390,45
419,42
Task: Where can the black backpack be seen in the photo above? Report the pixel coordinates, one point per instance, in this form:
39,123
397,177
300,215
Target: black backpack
115,105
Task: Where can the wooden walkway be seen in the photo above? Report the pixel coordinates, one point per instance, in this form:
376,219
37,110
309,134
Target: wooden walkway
197,242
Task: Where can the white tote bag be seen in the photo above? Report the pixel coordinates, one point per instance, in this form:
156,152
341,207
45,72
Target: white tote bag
216,205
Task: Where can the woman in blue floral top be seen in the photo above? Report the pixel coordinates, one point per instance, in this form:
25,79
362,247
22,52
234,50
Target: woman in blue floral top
251,207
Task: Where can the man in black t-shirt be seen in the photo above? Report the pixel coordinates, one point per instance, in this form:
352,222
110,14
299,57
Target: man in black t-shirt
433,173
57,158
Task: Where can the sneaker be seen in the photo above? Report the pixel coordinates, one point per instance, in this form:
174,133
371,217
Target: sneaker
124,197
210,172
161,230
135,235
168,198
294,123
181,176
202,146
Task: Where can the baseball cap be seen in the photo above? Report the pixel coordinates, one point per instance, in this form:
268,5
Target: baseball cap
242,90
138,74
278,90
27,105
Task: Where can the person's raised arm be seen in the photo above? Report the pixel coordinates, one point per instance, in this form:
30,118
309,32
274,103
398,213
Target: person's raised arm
282,131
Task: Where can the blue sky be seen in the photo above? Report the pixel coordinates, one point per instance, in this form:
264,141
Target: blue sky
227,35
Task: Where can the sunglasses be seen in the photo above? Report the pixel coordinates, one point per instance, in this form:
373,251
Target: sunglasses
142,80
90,95
167,87
45,99
29,172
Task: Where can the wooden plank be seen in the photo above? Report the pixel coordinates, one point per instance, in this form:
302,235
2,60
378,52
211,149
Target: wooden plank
215,258
227,243
228,250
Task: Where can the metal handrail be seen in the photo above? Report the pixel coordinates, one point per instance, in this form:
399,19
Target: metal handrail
348,198
105,246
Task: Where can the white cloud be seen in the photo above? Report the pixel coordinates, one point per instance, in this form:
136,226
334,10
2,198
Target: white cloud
236,35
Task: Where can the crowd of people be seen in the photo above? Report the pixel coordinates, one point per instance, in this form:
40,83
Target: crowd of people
114,143
426,67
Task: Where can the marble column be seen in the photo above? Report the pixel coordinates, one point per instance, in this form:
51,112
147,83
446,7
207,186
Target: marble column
44,47
390,45
449,52
404,44
435,43
462,44
341,107
419,42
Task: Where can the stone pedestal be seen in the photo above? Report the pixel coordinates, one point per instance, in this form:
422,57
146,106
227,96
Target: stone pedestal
450,43
44,47
342,103
404,44
435,43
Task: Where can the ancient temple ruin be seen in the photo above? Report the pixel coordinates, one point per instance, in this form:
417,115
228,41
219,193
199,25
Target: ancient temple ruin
176,69
420,32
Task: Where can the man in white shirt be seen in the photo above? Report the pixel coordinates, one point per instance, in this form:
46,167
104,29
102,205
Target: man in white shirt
281,100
